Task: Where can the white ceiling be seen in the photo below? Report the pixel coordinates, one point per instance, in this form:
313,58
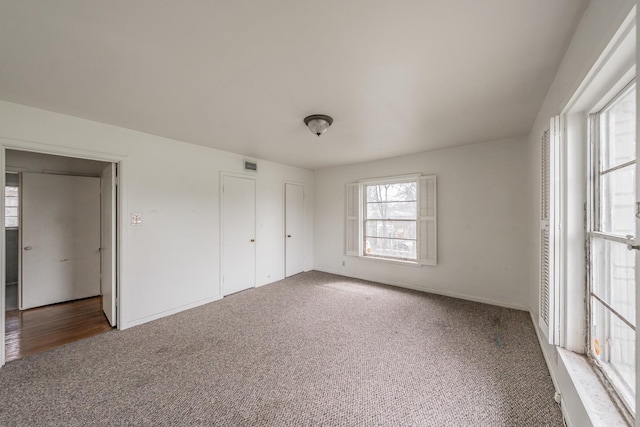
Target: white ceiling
398,77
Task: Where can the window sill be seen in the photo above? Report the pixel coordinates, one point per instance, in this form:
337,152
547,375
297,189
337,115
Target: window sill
584,400
597,403
391,261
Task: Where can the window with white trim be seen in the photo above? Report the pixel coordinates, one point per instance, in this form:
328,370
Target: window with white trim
11,201
393,219
612,299
10,207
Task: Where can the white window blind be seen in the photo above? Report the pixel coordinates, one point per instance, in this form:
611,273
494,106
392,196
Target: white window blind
549,228
544,232
427,241
353,220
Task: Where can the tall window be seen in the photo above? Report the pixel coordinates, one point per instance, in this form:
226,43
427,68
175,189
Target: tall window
10,206
393,218
612,313
390,221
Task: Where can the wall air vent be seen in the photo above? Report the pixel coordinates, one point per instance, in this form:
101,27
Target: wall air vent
250,166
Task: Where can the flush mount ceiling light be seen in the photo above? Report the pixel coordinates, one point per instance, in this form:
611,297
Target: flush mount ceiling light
318,123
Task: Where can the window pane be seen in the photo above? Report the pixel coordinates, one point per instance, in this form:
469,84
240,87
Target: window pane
390,248
385,235
617,202
392,210
614,276
614,345
398,192
612,312
11,201
618,131
11,206
393,229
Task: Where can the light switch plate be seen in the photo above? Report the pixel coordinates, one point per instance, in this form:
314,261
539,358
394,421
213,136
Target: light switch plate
136,219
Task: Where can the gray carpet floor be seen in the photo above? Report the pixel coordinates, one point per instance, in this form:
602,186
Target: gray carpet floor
314,349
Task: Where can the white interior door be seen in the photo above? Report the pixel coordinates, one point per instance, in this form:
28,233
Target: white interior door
60,238
238,234
108,243
294,229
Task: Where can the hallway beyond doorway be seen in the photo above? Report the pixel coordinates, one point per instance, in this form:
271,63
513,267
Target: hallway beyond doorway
11,296
39,329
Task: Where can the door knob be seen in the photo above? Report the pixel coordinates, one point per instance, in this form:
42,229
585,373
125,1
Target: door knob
288,235
27,248
253,240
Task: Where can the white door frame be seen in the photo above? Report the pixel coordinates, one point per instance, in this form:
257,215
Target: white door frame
108,255
20,145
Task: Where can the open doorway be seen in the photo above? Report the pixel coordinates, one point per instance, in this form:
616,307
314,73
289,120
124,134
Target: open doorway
11,223
60,231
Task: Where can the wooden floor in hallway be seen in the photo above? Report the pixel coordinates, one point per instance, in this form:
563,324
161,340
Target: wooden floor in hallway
39,329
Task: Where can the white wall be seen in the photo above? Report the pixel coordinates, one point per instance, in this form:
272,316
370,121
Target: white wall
483,210
172,261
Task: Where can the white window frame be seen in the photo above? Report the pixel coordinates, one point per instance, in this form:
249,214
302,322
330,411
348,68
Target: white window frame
626,397
426,221
610,73
593,403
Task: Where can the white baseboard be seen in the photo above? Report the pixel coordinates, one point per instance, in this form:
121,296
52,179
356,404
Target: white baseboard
156,316
428,290
563,407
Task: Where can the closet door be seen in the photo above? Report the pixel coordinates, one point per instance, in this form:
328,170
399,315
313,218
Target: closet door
294,229
238,234
60,238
